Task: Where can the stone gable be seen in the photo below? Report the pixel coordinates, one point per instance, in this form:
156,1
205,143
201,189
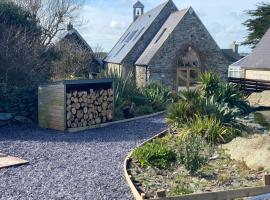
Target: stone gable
189,32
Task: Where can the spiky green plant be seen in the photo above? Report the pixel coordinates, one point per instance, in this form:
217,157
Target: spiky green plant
158,95
230,94
210,82
124,85
209,128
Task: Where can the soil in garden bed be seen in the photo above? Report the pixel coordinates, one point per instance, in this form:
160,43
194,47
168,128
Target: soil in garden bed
220,173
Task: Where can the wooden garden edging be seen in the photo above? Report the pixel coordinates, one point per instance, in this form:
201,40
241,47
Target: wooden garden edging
134,190
73,130
219,195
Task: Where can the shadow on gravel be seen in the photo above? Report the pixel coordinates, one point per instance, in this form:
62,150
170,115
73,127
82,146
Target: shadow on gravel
140,129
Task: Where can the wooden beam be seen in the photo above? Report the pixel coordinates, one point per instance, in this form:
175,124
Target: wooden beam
266,180
224,195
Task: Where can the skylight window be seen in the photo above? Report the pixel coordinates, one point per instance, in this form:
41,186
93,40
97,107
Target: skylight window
161,34
125,37
131,35
119,50
138,34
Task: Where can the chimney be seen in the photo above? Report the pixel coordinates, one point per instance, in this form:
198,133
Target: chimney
138,10
69,26
234,47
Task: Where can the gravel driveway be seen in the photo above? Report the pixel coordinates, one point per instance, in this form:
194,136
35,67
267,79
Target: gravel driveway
87,165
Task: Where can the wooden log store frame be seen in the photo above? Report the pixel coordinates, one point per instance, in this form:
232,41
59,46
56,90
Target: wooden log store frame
52,102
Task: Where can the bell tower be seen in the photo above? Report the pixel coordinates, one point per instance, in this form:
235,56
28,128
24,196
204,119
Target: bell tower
138,10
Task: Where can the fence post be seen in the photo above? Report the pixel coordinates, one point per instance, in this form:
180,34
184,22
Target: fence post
161,194
266,179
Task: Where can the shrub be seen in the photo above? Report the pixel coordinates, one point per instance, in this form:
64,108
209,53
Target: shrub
154,154
158,95
221,111
21,101
230,94
124,85
212,86
209,83
194,152
143,110
206,127
181,112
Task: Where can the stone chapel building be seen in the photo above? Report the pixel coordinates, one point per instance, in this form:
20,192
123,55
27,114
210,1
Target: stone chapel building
168,45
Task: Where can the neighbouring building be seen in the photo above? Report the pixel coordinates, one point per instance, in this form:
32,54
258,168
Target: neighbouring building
72,35
257,64
232,55
168,45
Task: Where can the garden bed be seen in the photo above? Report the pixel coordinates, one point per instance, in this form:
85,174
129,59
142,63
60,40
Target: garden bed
189,158
221,173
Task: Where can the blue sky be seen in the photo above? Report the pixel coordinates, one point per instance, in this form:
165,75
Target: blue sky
106,20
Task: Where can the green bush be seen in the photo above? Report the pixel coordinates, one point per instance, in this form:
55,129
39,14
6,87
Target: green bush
154,154
221,111
194,152
124,85
158,95
180,113
206,127
212,86
143,110
21,101
231,95
209,83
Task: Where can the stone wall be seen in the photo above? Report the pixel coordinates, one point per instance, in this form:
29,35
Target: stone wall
138,49
141,76
163,66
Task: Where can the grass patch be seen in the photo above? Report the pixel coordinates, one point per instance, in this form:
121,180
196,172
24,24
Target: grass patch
260,119
155,155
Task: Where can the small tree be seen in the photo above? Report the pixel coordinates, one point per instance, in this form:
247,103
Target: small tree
52,15
99,52
24,60
72,61
258,24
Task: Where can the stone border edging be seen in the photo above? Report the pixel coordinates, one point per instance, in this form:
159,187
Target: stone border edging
134,190
73,130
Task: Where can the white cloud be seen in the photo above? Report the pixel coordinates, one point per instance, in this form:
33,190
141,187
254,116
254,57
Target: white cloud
116,25
108,20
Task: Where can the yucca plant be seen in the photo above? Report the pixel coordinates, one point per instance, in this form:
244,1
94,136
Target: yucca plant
158,95
209,128
221,111
209,83
181,112
124,85
230,94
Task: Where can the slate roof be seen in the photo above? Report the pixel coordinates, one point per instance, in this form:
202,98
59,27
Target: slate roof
138,4
133,34
260,57
230,55
161,36
73,32
239,62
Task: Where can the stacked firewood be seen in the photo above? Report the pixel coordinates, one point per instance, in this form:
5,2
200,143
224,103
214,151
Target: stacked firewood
88,108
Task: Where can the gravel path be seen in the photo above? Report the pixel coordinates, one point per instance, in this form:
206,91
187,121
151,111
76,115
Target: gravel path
87,166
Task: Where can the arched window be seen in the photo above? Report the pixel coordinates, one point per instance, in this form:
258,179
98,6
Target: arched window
188,69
